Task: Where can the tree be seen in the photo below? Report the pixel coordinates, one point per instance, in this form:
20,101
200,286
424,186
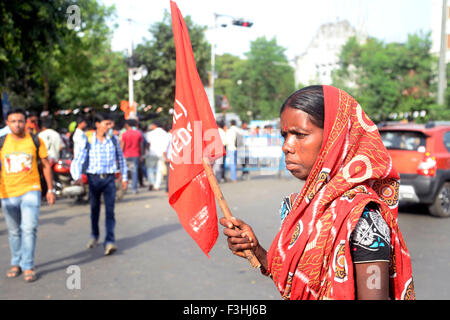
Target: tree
226,66
86,71
388,78
158,55
265,81
45,62
27,31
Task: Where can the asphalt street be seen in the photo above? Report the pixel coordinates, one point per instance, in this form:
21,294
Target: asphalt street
156,258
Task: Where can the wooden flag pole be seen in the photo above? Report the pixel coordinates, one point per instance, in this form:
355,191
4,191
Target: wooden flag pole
224,207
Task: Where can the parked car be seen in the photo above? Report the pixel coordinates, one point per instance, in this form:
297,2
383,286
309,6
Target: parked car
421,155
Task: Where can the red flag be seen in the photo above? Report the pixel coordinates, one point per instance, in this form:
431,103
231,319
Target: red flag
195,135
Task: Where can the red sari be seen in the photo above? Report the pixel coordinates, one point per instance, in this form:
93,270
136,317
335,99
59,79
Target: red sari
310,257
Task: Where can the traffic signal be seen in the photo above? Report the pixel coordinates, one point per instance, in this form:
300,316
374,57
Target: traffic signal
242,23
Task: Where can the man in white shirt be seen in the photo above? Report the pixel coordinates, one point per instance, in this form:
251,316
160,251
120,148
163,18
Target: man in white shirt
79,136
52,140
219,164
158,140
4,131
231,143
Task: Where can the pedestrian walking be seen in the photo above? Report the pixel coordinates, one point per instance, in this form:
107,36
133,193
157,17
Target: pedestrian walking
32,124
79,136
52,140
5,130
158,141
100,158
243,147
20,191
132,146
339,236
231,147
167,156
219,165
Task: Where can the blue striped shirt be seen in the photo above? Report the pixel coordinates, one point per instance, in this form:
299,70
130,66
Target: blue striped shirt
102,158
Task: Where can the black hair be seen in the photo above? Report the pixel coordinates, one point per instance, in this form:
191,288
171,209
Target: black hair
132,122
101,116
32,114
157,123
16,110
310,100
81,119
47,123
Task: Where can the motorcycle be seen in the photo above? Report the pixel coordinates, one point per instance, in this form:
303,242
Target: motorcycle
64,184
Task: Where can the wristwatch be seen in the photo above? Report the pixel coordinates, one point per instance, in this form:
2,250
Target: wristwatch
52,190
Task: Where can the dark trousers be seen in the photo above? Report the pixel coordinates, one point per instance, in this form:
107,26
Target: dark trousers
107,186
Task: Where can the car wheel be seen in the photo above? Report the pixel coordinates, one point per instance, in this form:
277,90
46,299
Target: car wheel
441,204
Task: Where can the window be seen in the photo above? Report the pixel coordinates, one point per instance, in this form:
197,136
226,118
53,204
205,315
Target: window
404,140
447,140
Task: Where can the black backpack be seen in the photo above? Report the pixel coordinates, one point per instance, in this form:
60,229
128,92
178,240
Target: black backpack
88,147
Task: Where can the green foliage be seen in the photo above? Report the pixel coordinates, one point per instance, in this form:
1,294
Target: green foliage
227,79
389,78
159,56
258,86
47,65
44,64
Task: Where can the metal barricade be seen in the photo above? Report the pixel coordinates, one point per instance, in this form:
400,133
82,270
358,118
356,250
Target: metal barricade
261,154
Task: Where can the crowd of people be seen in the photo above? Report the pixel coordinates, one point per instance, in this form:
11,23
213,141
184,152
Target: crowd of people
328,142
96,148
145,148
245,148
100,148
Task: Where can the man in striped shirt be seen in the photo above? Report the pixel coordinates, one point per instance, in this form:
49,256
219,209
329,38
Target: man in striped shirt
100,158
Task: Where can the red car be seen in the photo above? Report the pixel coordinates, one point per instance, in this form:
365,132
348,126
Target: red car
421,155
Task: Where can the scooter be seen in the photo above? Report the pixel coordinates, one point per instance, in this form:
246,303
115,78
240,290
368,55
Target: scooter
64,184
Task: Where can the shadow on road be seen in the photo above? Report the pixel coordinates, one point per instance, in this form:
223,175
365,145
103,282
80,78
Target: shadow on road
89,255
60,221
135,198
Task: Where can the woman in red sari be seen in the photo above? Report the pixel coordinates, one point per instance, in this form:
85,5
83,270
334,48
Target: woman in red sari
339,237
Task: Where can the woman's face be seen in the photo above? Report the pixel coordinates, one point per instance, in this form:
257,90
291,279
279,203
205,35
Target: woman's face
302,141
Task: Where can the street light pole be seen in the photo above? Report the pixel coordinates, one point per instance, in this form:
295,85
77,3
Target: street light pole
213,65
130,70
443,55
237,22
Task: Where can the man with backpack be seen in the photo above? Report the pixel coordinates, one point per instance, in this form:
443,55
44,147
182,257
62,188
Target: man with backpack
20,191
100,158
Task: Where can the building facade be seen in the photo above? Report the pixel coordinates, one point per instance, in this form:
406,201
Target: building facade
321,57
436,27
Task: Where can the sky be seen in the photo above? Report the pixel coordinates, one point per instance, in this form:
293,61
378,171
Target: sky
293,23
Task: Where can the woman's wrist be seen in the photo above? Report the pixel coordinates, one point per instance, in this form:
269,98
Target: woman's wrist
261,255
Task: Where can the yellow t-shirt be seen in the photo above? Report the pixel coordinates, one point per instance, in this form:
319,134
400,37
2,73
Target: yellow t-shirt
19,170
